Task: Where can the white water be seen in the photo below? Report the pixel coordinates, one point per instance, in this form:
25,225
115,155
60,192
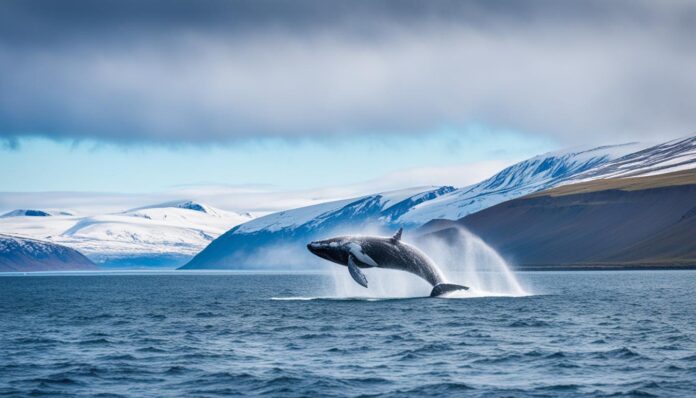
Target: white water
467,261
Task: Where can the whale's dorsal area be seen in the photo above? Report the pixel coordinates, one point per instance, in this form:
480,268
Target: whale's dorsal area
397,235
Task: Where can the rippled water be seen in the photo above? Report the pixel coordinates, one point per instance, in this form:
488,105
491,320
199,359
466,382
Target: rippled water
190,335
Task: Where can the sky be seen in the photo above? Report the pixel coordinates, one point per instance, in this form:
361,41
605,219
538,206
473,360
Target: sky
324,99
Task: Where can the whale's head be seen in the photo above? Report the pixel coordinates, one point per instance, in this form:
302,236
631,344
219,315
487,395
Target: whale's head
333,249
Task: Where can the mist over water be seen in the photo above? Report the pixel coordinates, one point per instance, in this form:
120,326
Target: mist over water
462,257
467,260
382,283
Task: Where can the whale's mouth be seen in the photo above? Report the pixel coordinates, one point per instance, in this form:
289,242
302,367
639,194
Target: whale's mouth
319,249
328,250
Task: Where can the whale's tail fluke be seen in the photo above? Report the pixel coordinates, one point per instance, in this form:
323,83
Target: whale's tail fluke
444,288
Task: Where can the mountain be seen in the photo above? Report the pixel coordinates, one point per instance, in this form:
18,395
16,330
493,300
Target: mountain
671,156
627,222
167,234
24,255
170,234
280,237
558,168
35,213
532,175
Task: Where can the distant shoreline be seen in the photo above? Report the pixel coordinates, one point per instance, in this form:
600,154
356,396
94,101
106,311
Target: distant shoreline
154,272
605,267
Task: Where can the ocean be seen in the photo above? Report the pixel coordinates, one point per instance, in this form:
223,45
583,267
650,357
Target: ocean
176,334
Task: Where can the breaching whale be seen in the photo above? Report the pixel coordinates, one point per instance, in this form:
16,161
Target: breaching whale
357,252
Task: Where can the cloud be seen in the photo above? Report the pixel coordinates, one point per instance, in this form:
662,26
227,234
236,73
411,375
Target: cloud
257,199
218,71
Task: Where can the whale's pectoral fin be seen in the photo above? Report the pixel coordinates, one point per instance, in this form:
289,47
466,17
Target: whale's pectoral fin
444,288
356,251
355,272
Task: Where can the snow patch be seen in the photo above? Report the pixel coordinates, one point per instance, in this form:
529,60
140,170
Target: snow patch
176,228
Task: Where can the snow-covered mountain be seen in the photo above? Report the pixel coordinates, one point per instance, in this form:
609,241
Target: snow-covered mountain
172,233
36,213
671,156
250,243
24,254
165,234
385,207
279,237
532,175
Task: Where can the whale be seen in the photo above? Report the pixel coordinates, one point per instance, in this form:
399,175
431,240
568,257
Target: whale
358,252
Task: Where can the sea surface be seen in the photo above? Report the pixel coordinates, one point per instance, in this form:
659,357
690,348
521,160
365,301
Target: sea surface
227,334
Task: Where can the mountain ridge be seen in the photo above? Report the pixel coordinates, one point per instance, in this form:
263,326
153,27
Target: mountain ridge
243,244
19,254
166,234
624,222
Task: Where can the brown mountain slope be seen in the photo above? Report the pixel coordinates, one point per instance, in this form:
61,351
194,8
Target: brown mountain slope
685,177
618,223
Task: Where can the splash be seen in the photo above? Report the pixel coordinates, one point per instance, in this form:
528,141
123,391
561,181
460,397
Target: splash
466,259
462,257
383,283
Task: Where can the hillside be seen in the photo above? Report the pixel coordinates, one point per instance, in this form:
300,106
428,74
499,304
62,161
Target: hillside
614,223
24,255
535,174
668,157
686,177
279,238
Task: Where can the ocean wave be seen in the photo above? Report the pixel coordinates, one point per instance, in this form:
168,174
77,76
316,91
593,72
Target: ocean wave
143,338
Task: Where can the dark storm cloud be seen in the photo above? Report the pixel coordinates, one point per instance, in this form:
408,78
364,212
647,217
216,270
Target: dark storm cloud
210,71
31,22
